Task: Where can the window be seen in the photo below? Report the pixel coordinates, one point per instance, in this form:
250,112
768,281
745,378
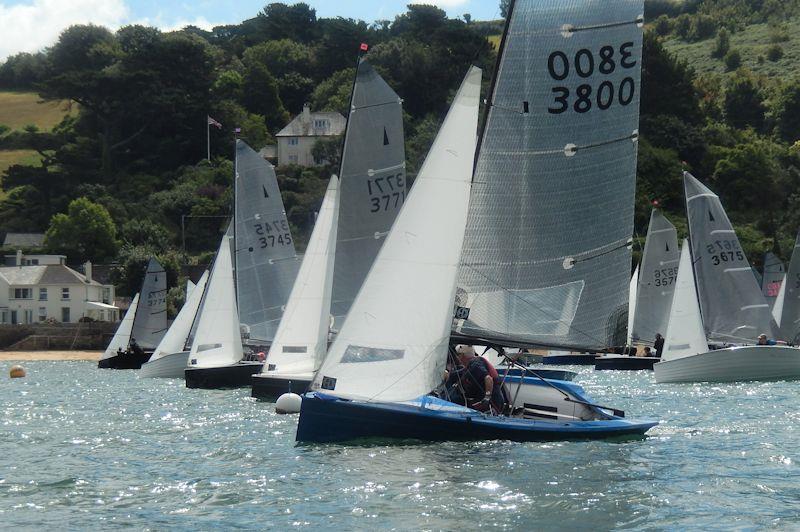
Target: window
23,293
65,314
42,313
107,296
293,158
321,124
3,316
293,142
34,262
13,317
28,316
43,294
65,294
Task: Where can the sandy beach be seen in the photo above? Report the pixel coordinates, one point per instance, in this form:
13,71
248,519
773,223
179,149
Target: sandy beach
50,355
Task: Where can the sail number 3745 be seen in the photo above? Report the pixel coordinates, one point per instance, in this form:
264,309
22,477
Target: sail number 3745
585,63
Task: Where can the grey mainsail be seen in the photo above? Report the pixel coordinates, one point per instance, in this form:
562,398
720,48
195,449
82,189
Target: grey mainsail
150,321
373,183
790,316
657,276
546,258
733,307
773,277
265,260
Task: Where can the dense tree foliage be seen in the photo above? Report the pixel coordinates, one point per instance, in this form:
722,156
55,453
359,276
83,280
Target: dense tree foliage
85,231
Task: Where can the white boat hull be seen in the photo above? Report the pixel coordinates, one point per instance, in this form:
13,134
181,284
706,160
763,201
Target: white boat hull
171,366
746,363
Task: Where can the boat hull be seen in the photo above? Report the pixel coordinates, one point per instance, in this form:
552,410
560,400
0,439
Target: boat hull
545,373
171,366
624,363
580,359
234,376
747,363
127,360
270,387
325,419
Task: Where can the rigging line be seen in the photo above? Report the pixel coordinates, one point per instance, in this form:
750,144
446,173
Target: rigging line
414,367
572,29
629,242
555,318
354,109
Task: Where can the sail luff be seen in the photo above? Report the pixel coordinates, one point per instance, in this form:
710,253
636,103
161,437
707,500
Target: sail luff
178,332
685,335
122,336
790,314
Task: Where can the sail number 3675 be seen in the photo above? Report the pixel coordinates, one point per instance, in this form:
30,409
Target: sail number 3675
585,63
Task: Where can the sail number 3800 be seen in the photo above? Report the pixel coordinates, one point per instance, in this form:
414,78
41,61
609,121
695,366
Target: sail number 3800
585,64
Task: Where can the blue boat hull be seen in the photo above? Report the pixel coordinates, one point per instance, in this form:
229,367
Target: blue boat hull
329,419
581,359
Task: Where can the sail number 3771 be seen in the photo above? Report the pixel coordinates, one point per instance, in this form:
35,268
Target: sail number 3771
586,63
387,192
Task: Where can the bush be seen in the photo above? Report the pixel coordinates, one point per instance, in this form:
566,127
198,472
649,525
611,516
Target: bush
702,27
733,60
775,52
662,25
723,44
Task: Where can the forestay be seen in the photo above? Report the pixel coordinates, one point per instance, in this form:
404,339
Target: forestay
150,322
266,262
773,277
373,183
302,338
122,336
546,256
685,335
393,345
656,279
217,341
790,315
175,339
734,310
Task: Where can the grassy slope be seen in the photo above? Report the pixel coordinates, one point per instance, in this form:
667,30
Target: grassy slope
751,42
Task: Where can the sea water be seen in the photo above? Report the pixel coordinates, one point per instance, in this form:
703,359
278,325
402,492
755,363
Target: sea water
83,448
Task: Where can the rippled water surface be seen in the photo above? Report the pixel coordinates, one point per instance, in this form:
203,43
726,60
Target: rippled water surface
85,448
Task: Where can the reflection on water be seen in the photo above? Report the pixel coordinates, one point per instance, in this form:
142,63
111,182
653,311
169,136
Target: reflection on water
81,447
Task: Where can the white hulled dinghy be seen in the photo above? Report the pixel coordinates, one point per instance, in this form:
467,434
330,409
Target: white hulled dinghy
715,273
171,357
135,340
655,284
302,338
392,349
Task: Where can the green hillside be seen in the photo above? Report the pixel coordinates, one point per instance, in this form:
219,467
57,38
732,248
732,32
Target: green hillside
20,109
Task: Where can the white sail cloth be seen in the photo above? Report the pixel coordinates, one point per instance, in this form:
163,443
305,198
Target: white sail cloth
790,309
217,341
122,336
685,334
632,303
150,322
394,341
302,337
175,339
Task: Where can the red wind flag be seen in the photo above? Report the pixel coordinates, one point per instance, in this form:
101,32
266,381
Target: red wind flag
364,47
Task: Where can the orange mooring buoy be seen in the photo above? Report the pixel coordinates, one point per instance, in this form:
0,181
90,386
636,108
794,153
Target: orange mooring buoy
16,372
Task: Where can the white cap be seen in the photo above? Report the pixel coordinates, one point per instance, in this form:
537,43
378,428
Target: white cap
465,350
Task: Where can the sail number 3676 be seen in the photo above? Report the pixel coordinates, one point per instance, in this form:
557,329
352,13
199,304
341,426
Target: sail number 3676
585,63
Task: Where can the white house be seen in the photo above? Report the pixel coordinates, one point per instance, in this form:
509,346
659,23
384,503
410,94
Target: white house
298,137
31,293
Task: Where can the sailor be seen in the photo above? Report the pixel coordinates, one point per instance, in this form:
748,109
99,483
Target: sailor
134,348
479,382
763,340
659,344
648,352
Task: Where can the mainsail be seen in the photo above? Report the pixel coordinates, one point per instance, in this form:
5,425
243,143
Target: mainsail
150,321
265,261
122,336
302,338
656,279
790,315
178,333
546,255
684,335
393,345
373,183
734,309
634,284
772,278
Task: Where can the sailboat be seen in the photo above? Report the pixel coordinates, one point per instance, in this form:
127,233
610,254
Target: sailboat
392,348
789,299
652,297
171,356
265,265
302,338
137,337
717,297
772,279
217,342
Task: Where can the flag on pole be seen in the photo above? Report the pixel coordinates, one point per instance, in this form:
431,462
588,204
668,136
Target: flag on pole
364,47
237,130
212,122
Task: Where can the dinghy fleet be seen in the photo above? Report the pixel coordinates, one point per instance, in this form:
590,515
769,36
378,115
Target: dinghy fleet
514,236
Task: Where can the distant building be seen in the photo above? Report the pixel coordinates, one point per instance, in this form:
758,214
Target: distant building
32,293
298,137
24,240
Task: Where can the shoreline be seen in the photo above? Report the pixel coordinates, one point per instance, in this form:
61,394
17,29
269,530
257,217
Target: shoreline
27,356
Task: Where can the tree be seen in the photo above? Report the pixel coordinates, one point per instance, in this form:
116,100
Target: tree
733,60
333,94
505,5
786,112
744,103
667,84
723,44
85,232
775,52
261,91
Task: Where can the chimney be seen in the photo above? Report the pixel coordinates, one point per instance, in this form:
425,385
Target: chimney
306,113
19,257
87,271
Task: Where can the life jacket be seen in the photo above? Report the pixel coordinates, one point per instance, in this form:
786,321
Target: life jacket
498,384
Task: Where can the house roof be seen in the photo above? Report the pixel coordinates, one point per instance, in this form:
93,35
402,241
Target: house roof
301,126
24,240
43,274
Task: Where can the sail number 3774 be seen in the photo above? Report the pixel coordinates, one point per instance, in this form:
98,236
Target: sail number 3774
586,63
